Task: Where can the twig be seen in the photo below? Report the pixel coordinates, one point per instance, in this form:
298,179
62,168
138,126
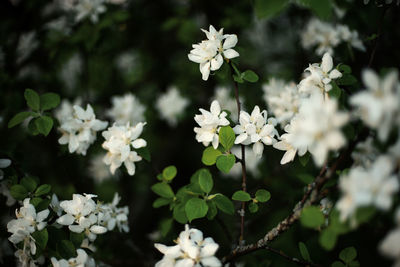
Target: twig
371,59
292,259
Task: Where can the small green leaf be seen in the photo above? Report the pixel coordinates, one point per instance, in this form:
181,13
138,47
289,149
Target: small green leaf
269,8
20,117
312,217
163,190
32,127
227,137
76,238
179,213
364,214
253,207
212,210
205,181
327,239
250,76
144,152
49,101
41,238
224,204
210,156
237,79
44,204
241,196
29,183
43,189
159,202
35,201
304,159
195,208
44,124
18,192
348,254
321,8
225,162
345,69
335,91
346,79
263,195
304,251
338,264
66,249
165,226
32,99
169,173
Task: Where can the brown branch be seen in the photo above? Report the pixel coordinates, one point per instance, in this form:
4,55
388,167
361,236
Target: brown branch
310,196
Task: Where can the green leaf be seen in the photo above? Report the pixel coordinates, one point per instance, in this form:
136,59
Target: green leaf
354,264
304,159
44,124
227,137
29,183
225,162
179,213
165,226
212,210
338,264
159,202
35,201
49,101
250,76
169,173
224,204
76,238
41,238
348,254
345,69
327,239
32,99
269,8
253,207
18,192
237,78
210,156
364,214
144,152
43,189
312,217
44,204
304,251
205,181
20,117
195,208
32,127
346,79
66,249
263,195
241,196
335,91
321,8
163,190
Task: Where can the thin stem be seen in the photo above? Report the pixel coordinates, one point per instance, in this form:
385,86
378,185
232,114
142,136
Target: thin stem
371,59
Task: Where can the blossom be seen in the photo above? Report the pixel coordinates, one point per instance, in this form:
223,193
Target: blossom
170,105
255,129
4,163
283,99
226,101
374,185
79,129
27,43
126,108
111,216
379,105
365,153
79,261
118,143
210,53
89,8
191,250
98,169
320,77
71,70
210,123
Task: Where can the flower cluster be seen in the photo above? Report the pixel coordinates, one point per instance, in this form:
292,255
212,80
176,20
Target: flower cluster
170,105
256,129
327,36
111,216
210,53
81,260
118,143
126,108
78,127
210,122
191,250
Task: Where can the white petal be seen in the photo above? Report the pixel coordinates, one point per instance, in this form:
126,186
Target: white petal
97,229
66,219
230,41
327,62
230,53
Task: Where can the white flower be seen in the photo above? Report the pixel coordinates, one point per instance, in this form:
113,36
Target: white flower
89,8
283,99
79,130
4,163
111,216
55,205
365,153
65,111
379,105
27,43
320,77
71,70
374,185
119,140
170,105
5,191
79,261
210,53
226,101
210,122
126,108
350,36
191,250
98,169
256,129
127,61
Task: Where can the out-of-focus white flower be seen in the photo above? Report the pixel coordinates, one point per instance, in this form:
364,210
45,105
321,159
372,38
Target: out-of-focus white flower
126,108
171,104
98,169
4,163
89,8
374,185
390,245
283,99
79,261
111,216
210,53
350,37
210,122
59,24
320,77
55,205
64,112
5,191
191,250
226,101
252,162
315,128
379,105
71,70
365,153
126,61
256,129
79,130
119,140
27,43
